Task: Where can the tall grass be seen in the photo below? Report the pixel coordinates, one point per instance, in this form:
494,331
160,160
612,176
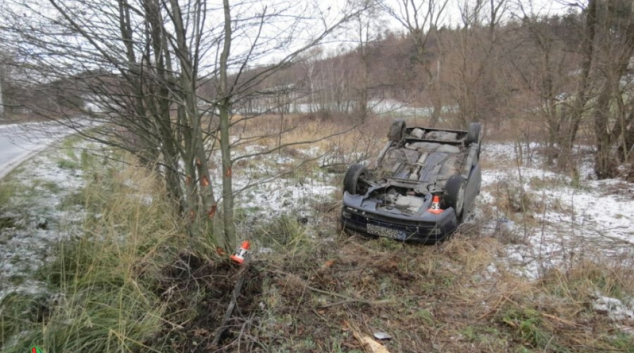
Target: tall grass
101,283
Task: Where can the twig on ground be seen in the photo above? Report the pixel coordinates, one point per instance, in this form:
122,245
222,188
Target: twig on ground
349,301
614,238
558,319
232,304
369,344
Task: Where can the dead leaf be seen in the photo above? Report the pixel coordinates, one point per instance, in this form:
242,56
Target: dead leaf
328,264
200,332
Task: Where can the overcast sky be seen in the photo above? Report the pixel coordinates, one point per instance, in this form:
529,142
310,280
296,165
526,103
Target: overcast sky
537,7
331,11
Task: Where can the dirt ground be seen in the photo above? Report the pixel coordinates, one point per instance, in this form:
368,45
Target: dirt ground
427,298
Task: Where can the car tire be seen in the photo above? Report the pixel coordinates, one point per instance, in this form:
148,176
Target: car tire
397,131
353,182
454,193
473,134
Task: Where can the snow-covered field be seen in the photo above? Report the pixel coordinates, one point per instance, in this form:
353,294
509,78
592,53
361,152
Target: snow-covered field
563,220
270,186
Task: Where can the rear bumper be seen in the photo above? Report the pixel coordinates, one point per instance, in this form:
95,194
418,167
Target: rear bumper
416,231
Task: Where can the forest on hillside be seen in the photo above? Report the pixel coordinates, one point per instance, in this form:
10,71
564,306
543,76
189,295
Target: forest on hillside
558,79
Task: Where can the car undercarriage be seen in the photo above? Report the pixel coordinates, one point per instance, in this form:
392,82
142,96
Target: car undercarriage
422,184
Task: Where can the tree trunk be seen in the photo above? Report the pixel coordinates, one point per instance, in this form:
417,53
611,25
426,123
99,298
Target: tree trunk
610,118
224,108
603,166
569,135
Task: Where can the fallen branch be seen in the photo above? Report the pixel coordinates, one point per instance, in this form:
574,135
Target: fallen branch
232,304
558,319
345,298
615,238
329,293
349,301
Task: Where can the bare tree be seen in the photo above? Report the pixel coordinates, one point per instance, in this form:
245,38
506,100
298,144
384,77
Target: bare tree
2,78
142,64
612,111
366,28
584,87
542,61
475,55
421,19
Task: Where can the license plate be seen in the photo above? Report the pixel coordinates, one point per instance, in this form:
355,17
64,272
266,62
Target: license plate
385,232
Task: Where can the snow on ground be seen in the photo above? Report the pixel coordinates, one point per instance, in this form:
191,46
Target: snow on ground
381,107
40,219
563,219
275,184
614,308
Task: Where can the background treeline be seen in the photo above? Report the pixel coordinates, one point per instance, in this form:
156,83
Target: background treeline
559,79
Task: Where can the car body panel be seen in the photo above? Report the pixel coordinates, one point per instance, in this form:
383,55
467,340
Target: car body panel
473,186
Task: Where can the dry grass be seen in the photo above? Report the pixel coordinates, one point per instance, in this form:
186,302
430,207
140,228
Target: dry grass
337,137
438,298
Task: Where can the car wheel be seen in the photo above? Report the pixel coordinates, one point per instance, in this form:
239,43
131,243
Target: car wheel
473,134
454,193
397,130
355,181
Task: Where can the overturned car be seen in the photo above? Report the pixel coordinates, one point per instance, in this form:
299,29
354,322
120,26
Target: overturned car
423,183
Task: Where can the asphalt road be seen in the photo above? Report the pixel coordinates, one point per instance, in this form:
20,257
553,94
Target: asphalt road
19,142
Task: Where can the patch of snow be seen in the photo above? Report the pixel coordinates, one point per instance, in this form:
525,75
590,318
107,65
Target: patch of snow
614,308
284,160
270,185
26,247
565,220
